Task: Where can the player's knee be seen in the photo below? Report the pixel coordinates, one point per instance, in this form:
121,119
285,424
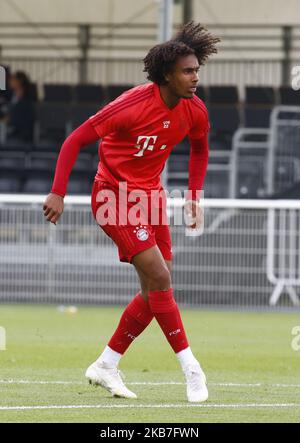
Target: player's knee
160,280
144,287
145,295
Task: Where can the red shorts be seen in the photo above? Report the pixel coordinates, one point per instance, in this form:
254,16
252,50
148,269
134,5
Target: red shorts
132,238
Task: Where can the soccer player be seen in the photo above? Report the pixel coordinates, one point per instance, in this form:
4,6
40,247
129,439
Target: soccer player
138,131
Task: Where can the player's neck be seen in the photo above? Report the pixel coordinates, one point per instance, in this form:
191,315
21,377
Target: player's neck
170,99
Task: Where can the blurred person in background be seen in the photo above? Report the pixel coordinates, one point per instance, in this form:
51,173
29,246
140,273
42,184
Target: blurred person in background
19,113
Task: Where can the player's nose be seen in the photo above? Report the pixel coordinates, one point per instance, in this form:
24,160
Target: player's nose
196,78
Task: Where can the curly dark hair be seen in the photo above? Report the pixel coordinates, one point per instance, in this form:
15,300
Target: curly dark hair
192,38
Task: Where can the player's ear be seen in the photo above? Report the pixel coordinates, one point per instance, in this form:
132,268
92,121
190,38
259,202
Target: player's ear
167,76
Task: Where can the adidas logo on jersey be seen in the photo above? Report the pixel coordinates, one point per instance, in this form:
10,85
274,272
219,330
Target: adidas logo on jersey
166,123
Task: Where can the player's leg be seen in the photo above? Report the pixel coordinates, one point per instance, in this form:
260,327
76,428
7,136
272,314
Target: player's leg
135,318
152,266
144,280
143,283
132,240
162,303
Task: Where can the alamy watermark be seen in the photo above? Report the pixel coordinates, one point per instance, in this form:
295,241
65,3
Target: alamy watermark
2,339
295,73
118,207
2,79
295,344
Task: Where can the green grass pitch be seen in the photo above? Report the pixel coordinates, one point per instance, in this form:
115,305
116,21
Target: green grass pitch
252,370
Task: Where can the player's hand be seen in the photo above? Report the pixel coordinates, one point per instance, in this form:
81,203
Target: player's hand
53,207
194,215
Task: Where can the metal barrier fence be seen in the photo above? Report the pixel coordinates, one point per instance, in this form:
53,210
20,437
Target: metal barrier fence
284,253
266,161
284,154
262,162
249,171
239,260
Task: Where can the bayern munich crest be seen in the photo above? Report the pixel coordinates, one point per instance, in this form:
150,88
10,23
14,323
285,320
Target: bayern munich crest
142,233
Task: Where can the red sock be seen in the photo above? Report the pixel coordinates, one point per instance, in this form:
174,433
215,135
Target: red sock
166,312
134,320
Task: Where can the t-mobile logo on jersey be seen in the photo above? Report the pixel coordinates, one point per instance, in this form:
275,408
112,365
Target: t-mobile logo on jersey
146,145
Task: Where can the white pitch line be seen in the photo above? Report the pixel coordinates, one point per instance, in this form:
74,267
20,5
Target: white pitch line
182,383
166,406
40,382
147,383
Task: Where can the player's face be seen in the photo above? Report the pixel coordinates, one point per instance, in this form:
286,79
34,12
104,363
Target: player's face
183,80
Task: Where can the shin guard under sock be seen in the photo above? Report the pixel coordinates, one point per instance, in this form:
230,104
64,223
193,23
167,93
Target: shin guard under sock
166,312
134,320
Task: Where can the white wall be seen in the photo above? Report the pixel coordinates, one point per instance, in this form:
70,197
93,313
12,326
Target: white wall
81,11
99,11
17,49
247,11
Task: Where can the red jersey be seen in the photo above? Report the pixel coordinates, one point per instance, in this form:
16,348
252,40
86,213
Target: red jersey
138,133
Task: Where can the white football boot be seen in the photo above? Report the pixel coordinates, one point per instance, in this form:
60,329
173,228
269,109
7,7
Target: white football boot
109,378
196,389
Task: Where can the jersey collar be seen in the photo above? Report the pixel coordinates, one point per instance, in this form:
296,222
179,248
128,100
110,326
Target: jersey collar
159,99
